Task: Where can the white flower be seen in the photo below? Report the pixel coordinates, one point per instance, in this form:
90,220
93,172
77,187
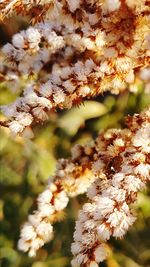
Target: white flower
118,142
88,43
10,110
35,219
100,253
104,206
143,170
83,216
117,83
52,187
117,178
33,37
80,71
121,229
45,197
132,183
55,41
46,89
74,263
44,229
73,5
142,137
28,232
100,39
115,218
70,167
89,207
58,95
76,247
18,40
32,253
89,224
84,90
37,65
15,127
24,118
23,245
69,86
44,102
44,55
114,193
40,113
30,97
8,49
78,232
35,245
45,209
81,258
104,67
103,232
112,5
61,201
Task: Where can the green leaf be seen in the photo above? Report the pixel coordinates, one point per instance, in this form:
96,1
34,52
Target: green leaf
72,120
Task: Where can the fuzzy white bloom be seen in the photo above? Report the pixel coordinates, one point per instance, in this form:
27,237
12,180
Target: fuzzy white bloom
33,37
100,253
112,5
46,209
28,232
46,89
45,197
113,186
109,214
73,5
142,138
103,232
104,206
24,118
15,127
61,201
18,40
39,230
44,229
58,96
132,183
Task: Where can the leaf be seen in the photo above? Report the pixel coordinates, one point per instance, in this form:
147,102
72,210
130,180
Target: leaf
72,120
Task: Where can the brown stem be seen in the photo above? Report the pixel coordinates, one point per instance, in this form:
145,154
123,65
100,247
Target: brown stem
4,123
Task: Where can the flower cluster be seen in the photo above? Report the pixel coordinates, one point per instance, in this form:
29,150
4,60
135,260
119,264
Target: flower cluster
35,8
39,230
75,50
111,170
82,49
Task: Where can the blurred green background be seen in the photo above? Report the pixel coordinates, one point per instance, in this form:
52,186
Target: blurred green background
25,166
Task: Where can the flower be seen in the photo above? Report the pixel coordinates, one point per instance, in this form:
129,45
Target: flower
111,182
89,53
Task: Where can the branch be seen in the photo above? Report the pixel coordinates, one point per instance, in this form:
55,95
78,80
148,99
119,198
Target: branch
112,169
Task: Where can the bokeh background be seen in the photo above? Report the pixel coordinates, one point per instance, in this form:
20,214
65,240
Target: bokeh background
26,165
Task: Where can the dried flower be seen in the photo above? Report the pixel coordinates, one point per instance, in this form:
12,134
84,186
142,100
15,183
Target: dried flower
87,43
74,50
111,179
